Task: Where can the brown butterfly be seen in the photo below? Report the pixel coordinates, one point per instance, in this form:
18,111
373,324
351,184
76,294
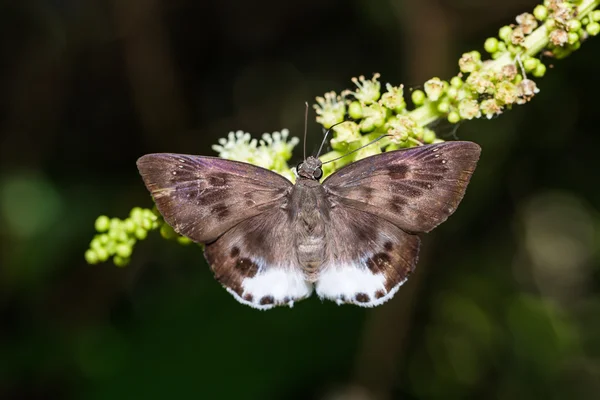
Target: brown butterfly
353,237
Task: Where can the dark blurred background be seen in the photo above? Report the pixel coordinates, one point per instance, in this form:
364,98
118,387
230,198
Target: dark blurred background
506,300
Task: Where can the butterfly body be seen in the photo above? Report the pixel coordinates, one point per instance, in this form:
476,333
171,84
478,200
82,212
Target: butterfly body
352,238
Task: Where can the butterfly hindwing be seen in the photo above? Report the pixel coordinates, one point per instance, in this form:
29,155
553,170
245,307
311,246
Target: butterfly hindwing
415,189
203,197
368,260
256,262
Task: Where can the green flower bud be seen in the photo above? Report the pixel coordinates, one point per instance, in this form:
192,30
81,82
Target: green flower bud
574,25
102,223
121,261
456,82
167,232
505,32
572,38
418,97
355,110
539,71
115,224
595,15
130,225
428,136
102,254
141,233
147,224
540,12
91,257
491,45
96,243
530,64
593,28
183,240
443,107
123,250
453,117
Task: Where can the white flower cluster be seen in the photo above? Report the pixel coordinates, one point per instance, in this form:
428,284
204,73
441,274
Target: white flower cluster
272,151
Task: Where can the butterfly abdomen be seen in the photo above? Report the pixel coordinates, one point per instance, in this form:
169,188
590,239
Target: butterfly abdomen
309,213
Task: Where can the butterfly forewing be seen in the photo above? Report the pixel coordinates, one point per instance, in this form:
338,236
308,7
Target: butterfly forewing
203,197
415,189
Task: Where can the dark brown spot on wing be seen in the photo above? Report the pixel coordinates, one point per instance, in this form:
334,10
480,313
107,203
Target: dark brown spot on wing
397,204
248,297
407,190
221,210
267,300
388,246
217,180
210,197
379,263
398,171
246,267
367,193
379,294
235,251
362,298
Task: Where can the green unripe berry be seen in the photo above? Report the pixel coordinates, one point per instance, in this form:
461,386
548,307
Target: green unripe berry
491,45
453,117
91,257
123,250
593,28
418,97
355,110
595,15
102,223
540,12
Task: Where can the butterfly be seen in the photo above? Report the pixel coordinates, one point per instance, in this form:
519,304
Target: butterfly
352,238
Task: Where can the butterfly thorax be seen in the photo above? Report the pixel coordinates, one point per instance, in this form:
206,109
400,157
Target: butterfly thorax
309,214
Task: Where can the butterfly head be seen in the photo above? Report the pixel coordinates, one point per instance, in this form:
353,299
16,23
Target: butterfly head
310,168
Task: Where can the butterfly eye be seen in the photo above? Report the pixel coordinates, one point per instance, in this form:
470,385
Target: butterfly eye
318,173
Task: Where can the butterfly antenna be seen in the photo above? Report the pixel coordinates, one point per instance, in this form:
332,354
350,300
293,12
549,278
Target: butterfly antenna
305,126
325,137
360,148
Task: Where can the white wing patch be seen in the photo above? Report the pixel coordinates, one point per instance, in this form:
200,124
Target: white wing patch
355,284
274,286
